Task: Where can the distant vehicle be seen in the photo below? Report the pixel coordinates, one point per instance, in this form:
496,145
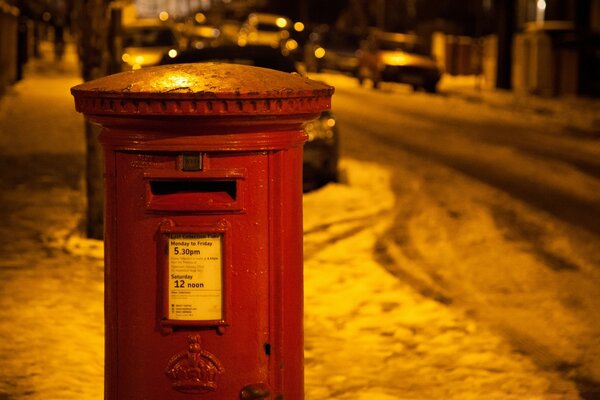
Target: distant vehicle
200,32
145,44
397,57
230,30
203,36
321,152
330,49
265,29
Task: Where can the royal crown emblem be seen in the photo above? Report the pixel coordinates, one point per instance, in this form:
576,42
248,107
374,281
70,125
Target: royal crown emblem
196,370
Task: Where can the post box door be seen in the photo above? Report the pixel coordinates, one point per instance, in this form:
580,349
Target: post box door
173,347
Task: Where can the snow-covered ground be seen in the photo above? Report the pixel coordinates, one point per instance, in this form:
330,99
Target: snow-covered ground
580,113
371,336
496,211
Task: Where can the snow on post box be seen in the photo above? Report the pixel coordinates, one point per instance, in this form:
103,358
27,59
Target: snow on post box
203,232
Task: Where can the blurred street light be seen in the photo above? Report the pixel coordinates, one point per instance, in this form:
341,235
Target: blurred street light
541,11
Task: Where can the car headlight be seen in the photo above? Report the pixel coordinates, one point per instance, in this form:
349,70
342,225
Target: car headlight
395,59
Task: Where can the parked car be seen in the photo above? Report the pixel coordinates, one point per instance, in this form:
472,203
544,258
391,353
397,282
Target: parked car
265,29
230,30
332,49
321,152
200,32
145,44
397,57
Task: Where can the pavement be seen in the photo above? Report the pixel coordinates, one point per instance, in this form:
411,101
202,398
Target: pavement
368,334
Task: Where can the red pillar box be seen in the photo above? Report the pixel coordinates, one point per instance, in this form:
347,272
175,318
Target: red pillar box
203,173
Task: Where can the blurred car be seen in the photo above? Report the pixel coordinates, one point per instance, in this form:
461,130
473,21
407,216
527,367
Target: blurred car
397,57
265,29
321,151
230,30
331,49
203,35
145,44
199,32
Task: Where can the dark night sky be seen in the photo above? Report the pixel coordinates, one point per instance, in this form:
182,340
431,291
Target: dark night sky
465,15
325,11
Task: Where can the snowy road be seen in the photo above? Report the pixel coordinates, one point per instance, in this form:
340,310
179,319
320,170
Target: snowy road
541,164
497,211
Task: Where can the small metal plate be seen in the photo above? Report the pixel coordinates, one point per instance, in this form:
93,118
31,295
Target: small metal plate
191,162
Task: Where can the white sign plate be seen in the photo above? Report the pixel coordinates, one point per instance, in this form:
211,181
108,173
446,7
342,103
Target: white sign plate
195,276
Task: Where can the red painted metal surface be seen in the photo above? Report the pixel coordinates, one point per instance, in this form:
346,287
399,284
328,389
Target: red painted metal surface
243,126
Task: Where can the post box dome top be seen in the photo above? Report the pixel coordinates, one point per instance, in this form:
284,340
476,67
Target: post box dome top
202,89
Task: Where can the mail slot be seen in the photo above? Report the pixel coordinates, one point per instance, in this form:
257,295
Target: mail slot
203,269
213,191
197,191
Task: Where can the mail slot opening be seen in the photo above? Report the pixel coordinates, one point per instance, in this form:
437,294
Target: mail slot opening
215,190
180,186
